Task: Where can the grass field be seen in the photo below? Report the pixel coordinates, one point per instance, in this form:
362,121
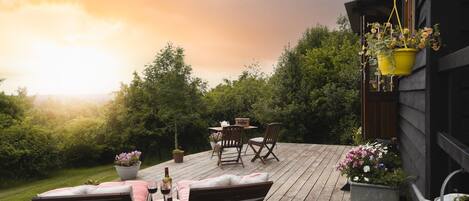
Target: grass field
62,178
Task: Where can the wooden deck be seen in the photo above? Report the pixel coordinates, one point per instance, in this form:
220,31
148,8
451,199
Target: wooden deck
305,171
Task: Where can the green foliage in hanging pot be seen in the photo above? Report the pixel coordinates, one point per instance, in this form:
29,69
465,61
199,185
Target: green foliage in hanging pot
394,48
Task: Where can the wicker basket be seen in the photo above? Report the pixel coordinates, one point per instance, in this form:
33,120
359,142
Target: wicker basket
244,122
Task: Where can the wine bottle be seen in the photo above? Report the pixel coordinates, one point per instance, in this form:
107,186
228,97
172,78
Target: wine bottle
167,184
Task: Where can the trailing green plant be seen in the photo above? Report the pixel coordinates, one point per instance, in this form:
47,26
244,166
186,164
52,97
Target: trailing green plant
357,136
462,198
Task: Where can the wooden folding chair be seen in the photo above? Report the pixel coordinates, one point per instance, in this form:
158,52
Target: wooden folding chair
232,137
268,141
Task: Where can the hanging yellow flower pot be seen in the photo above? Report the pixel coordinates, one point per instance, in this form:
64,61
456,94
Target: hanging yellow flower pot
395,49
400,62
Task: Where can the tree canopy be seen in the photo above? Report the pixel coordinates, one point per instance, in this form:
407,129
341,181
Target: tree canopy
313,91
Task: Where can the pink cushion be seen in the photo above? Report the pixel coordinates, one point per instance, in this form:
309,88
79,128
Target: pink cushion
68,191
139,188
183,188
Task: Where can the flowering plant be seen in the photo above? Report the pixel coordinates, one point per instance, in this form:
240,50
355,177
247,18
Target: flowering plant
383,38
215,137
128,159
373,163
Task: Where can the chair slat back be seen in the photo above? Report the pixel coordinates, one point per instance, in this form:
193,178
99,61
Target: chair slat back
232,136
272,133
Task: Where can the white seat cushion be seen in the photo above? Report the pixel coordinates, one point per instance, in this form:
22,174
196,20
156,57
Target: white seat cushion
253,178
111,189
257,139
223,180
77,190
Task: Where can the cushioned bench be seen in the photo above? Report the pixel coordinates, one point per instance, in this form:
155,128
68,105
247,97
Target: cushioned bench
132,190
226,187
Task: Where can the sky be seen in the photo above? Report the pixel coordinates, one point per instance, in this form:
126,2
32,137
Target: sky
91,46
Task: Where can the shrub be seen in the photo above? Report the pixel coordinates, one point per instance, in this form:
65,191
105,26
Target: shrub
27,151
82,142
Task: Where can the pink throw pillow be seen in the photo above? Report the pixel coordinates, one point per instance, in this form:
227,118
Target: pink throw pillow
184,189
139,188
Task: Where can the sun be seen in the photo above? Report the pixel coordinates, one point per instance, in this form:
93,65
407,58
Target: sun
73,69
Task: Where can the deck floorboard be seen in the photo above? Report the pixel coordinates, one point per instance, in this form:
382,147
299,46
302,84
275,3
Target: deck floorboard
304,172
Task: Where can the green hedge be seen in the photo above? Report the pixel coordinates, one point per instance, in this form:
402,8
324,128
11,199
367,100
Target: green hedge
27,151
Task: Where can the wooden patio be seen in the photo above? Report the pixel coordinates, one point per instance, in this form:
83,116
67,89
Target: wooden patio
305,171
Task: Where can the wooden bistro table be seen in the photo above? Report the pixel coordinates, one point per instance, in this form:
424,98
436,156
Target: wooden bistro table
219,129
245,141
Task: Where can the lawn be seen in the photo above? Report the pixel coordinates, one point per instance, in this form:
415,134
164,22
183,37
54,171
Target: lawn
62,178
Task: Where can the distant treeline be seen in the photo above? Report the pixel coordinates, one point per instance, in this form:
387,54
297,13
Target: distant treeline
313,91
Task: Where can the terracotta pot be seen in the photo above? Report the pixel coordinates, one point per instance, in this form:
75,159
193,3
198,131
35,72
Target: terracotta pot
178,156
126,173
404,60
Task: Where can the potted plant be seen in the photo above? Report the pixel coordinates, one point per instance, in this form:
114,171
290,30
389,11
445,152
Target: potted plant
374,172
128,164
395,49
214,138
178,154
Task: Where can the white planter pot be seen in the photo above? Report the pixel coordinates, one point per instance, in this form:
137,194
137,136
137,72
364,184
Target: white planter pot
212,144
126,173
371,192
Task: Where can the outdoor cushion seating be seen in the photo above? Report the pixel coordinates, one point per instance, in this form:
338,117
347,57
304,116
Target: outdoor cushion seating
268,141
225,187
119,191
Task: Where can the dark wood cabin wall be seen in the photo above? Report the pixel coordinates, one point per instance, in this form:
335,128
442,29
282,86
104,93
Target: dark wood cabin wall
449,91
412,111
411,122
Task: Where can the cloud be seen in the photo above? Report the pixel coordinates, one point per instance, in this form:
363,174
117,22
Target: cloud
219,37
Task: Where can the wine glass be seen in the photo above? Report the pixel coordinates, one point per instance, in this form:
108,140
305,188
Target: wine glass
165,189
152,188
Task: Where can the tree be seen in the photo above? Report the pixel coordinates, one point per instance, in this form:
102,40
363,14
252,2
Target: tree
315,87
178,93
165,102
238,98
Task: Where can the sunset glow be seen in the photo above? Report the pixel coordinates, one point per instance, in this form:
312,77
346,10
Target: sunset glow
90,47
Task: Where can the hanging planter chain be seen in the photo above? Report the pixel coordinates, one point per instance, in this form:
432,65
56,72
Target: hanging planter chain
394,10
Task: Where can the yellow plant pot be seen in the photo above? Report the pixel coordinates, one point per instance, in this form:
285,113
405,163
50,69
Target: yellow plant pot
404,60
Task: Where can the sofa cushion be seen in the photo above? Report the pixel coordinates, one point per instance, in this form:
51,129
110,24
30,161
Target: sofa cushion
139,188
68,191
223,180
257,139
252,178
110,189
